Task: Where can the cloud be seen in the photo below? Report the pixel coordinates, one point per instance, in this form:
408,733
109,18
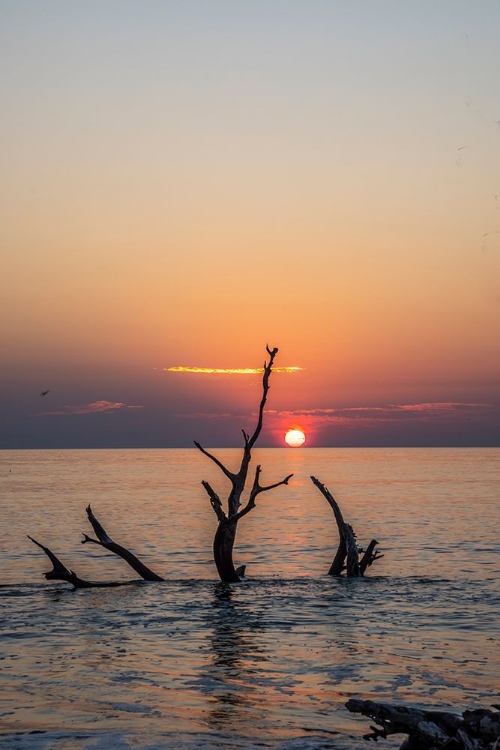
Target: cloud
229,370
206,415
432,411
95,407
449,411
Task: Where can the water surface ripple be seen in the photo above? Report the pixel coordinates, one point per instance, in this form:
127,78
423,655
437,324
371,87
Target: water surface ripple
194,663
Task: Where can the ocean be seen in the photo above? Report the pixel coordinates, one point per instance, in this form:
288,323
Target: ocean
266,663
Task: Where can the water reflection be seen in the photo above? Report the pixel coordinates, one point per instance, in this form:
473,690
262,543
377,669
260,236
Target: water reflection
220,665
235,645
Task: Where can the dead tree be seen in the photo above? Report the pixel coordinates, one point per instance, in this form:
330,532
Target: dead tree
348,553
62,573
430,730
226,529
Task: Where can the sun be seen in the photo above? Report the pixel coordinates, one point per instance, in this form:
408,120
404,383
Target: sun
295,438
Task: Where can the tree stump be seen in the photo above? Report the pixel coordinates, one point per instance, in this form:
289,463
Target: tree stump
358,560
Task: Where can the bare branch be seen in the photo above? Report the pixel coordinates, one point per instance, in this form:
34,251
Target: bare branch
256,490
271,486
229,474
98,529
87,538
333,503
215,502
369,557
106,542
59,571
268,366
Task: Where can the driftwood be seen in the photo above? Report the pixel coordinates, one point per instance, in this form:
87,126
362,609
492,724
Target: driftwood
349,556
226,530
105,541
431,730
60,572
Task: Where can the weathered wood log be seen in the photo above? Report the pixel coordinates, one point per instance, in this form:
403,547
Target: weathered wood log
104,540
225,534
348,548
430,730
60,572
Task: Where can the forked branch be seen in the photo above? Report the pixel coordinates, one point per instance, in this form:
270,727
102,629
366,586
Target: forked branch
370,555
104,540
256,490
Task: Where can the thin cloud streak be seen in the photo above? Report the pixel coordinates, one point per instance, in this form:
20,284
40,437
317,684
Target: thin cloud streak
95,407
445,411
441,411
229,370
207,415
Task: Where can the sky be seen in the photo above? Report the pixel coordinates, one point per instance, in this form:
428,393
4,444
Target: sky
183,183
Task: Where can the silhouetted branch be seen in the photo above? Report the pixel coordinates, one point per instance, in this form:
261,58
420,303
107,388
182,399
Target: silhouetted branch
215,502
369,557
268,366
61,573
256,490
229,474
106,542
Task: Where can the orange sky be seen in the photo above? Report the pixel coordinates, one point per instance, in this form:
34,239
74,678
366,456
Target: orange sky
184,185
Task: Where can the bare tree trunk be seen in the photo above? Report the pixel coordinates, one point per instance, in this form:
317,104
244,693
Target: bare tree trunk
348,548
370,555
226,530
223,552
338,565
431,730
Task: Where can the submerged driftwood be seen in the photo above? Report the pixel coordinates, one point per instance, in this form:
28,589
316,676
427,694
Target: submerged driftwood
60,572
431,730
226,530
349,557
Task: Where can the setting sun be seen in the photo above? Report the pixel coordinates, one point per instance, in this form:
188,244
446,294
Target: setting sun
295,438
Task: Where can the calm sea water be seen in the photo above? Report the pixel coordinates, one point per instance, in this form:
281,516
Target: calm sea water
193,663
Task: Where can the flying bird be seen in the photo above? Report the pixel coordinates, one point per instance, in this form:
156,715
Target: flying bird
43,393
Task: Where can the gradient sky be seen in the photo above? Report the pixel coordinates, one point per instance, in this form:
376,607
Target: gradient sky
184,182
